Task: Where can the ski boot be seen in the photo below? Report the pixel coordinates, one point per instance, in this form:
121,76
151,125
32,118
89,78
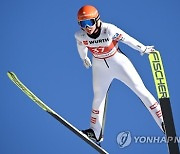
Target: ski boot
90,133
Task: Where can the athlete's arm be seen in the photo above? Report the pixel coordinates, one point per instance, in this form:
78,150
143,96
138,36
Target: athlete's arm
130,41
83,51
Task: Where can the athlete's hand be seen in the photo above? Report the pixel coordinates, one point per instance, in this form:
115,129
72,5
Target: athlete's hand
148,50
87,62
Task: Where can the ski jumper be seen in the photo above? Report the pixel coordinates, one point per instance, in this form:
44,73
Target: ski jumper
110,63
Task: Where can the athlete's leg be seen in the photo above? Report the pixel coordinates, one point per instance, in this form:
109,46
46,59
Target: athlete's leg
128,74
102,79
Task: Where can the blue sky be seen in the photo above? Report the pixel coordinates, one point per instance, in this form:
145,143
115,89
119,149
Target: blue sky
37,43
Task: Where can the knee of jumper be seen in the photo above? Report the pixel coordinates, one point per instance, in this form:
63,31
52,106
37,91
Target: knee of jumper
142,92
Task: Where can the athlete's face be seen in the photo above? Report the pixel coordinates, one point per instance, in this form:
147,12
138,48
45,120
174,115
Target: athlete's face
88,25
90,29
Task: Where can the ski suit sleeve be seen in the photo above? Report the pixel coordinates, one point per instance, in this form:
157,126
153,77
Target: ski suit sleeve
82,49
125,38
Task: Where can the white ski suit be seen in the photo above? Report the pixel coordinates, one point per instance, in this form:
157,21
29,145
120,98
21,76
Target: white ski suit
110,63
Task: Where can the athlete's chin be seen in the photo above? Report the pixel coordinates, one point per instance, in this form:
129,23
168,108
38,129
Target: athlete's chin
89,32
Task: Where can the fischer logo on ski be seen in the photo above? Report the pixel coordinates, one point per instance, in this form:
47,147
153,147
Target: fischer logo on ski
159,75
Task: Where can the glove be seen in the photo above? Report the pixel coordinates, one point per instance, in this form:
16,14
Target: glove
87,62
148,50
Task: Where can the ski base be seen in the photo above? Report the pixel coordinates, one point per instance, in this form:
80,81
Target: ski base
43,106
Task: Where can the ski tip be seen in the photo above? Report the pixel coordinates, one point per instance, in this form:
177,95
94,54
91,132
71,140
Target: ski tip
152,53
10,74
156,51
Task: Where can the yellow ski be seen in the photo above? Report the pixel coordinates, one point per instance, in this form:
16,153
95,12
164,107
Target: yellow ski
164,99
43,106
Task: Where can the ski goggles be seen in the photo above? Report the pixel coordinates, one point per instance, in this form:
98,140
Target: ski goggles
87,23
